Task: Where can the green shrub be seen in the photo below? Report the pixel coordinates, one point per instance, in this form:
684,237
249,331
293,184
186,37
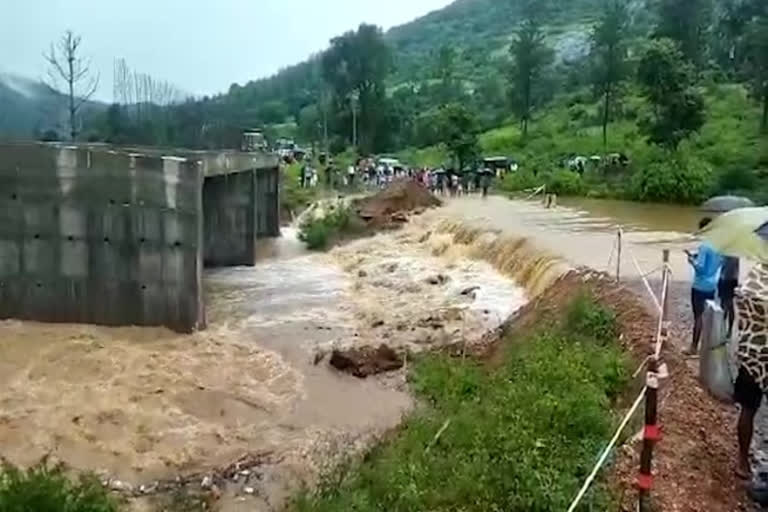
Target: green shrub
521,436
588,319
564,182
677,178
520,180
316,234
320,232
43,488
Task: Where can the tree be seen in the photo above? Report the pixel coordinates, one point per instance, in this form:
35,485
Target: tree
445,71
687,22
458,129
668,79
68,66
609,53
531,56
757,63
355,67
310,124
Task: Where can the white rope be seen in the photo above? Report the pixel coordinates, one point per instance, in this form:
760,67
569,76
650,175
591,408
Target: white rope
645,281
607,451
640,368
535,192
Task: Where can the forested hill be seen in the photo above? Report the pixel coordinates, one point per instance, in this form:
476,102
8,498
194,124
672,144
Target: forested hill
32,108
477,25
478,32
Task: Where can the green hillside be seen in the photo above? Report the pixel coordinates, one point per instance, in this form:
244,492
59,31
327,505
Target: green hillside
729,143
479,31
680,87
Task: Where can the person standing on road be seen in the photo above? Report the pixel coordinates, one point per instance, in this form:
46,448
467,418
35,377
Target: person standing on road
706,265
752,354
726,289
486,182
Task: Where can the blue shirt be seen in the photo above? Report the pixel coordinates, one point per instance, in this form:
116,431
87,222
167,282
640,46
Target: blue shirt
706,267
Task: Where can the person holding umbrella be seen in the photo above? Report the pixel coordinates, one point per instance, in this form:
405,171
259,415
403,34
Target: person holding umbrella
706,270
729,274
744,233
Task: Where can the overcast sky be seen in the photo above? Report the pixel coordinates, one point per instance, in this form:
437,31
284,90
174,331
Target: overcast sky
202,46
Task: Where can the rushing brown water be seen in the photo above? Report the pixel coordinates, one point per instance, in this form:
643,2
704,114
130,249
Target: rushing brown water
146,403
634,216
583,236
142,404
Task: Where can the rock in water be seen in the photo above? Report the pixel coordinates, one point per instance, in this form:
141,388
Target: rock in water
470,291
366,361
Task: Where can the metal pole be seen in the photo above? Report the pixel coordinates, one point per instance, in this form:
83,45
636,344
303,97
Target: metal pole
652,432
665,306
618,259
650,436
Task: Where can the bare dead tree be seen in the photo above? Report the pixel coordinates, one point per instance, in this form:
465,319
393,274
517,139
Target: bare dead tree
141,93
121,93
66,65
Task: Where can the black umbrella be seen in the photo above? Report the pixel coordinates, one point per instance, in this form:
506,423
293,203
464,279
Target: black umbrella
723,204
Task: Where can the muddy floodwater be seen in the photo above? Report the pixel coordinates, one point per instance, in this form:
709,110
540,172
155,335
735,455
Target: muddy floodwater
634,216
139,405
146,404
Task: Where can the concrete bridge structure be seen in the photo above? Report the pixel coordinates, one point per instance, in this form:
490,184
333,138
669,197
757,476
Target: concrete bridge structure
119,236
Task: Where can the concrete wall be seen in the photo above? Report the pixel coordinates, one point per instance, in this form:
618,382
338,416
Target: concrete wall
238,209
267,190
94,234
100,237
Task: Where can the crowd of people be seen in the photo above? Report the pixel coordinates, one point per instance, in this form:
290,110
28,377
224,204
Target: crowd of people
369,174
448,182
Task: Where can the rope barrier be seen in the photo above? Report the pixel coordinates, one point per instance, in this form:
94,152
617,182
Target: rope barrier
649,393
645,281
535,193
607,451
640,368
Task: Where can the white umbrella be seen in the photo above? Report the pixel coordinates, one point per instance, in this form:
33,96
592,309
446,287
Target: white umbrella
742,233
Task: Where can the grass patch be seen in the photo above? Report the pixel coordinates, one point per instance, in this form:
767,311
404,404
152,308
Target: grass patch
45,488
319,233
521,437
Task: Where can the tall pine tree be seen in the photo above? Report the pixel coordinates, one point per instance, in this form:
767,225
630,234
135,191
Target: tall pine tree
688,23
530,56
609,54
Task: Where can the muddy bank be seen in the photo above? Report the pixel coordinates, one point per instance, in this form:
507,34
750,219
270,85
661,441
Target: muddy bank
392,206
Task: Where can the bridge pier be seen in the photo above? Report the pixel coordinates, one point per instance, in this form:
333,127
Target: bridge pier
116,237
238,209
